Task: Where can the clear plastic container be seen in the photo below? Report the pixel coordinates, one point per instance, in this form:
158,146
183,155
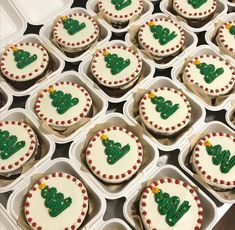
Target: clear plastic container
230,108
231,6
8,99
112,224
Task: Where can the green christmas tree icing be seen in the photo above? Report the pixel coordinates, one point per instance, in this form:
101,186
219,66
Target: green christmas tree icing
23,58
54,201
170,206
220,157
62,101
113,150
115,63
209,71
9,145
196,3
72,26
231,29
165,108
121,4
164,35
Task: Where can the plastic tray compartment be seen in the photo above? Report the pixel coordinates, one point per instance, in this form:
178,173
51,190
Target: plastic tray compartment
230,107
198,112
211,34
110,192
178,67
72,76
84,69
112,224
46,33
231,6
221,9
185,152
93,8
96,201
7,97
209,208
190,41
58,65
19,115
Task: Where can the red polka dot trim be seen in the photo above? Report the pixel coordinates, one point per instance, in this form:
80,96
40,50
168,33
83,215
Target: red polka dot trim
135,72
25,74
21,160
35,189
203,172
144,210
50,120
111,177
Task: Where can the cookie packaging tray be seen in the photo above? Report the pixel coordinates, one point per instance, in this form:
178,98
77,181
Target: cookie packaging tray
161,159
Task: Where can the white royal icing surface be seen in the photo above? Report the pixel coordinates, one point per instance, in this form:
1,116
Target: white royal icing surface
189,12
145,35
153,116
22,134
158,221
49,111
39,213
98,66
205,161
99,158
36,68
220,82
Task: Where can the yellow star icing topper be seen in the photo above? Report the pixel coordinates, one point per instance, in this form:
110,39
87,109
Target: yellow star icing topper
41,186
197,62
14,48
207,143
51,89
228,26
155,190
104,137
151,24
151,95
105,53
63,18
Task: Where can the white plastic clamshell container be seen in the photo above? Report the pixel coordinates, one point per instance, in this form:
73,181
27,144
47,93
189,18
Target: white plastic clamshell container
84,68
221,9
59,65
190,41
96,199
93,9
151,155
12,23
40,12
72,76
209,208
230,107
46,33
231,6
210,34
7,222
112,224
198,112
22,114
178,67
8,99
214,126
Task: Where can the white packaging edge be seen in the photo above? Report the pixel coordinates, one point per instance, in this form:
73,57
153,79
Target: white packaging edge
103,224
86,53
9,97
139,175
180,63
230,108
26,92
181,55
78,132
200,29
19,179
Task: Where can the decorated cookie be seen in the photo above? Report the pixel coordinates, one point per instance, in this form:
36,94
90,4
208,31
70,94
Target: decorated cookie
196,12
76,32
226,38
161,37
213,159
18,144
63,104
57,201
169,203
114,154
120,12
116,69
23,64
165,111
210,75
